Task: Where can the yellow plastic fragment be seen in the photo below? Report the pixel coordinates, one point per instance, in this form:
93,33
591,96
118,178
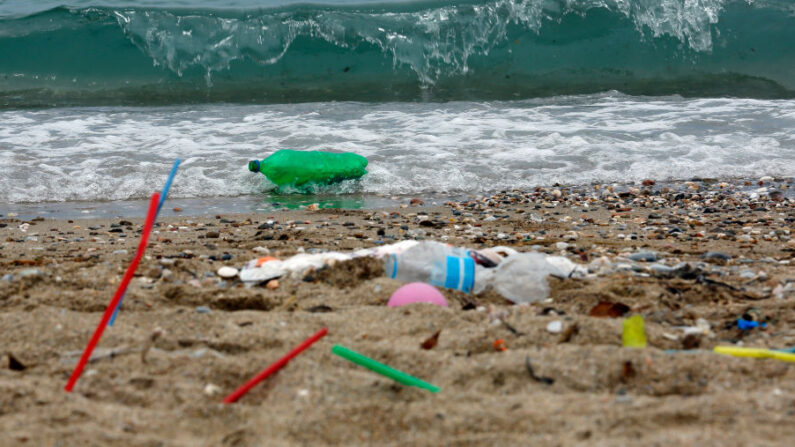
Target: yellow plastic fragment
755,352
634,334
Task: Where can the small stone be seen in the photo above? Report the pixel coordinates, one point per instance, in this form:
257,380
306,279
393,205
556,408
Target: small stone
202,309
212,389
212,235
7,277
555,327
313,207
227,272
416,202
261,250
561,245
273,284
747,274
643,256
30,272
417,233
716,255
649,182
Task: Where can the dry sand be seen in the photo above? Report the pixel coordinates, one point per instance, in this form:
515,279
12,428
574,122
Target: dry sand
167,392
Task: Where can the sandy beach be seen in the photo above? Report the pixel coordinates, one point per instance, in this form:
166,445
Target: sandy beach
698,254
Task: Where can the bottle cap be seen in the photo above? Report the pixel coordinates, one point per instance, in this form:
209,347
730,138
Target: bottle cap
253,166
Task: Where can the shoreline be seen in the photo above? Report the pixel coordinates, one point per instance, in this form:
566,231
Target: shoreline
214,333
270,202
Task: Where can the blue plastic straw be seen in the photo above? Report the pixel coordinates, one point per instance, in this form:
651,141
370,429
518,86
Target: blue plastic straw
163,195
167,186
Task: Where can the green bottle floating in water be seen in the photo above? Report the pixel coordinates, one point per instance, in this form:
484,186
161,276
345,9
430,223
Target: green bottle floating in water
299,168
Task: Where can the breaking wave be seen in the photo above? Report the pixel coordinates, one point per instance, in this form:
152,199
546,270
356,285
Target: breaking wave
426,50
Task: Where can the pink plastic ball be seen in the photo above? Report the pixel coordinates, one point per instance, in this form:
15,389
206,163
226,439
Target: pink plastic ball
416,292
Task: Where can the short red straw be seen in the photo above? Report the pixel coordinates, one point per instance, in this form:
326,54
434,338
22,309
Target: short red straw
279,364
150,218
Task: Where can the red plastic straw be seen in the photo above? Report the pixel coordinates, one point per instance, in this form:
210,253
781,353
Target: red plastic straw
150,218
279,364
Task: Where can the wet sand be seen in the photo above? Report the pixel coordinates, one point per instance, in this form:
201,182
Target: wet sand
160,373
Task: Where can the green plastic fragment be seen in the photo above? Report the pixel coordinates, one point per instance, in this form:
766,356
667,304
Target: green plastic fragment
634,333
299,168
380,368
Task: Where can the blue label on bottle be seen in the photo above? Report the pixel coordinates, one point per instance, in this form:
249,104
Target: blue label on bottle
453,273
460,273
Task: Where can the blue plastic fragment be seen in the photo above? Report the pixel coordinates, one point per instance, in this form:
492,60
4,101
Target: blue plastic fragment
745,325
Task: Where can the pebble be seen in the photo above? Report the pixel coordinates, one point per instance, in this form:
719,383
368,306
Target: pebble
7,277
119,252
644,256
747,274
212,235
202,309
261,250
30,272
227,272
716,255
212,389
273,284
416,233
555,327
661,269
561,245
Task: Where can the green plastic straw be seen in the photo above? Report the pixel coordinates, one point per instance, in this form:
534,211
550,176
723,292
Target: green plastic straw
380,368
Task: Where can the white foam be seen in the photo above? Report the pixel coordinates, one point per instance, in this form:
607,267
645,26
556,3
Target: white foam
126,153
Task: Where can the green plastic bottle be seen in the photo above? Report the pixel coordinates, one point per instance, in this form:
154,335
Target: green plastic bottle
299,168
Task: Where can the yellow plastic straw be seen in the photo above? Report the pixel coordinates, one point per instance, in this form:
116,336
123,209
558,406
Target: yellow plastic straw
755,352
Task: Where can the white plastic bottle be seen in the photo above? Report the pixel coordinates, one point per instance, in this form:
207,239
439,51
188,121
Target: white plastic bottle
434,263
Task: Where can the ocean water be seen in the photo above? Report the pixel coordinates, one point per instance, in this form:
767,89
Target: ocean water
97,97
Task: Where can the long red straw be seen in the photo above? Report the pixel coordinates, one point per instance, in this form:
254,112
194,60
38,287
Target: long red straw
279,364
125,281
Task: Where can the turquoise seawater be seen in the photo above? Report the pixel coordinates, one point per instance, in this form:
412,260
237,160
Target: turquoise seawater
159,53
